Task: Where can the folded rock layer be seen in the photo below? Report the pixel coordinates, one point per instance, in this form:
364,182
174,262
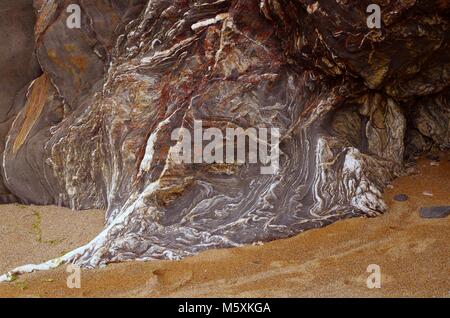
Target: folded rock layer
94,129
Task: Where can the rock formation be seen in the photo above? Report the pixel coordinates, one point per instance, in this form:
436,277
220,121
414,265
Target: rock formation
90,125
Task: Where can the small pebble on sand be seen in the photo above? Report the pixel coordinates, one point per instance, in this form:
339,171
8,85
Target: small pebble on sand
435,212
401,197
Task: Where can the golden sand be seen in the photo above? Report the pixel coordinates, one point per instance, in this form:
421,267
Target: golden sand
413,254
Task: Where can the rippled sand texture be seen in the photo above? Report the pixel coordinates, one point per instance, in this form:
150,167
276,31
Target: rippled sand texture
413,254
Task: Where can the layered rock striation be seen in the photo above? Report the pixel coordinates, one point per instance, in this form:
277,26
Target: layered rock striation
90,124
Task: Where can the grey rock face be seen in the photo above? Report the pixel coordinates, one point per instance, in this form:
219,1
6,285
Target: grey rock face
17,59
425,114
95,128
18,66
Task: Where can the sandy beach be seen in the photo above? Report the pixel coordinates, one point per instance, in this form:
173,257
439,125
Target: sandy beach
413,254
35,234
